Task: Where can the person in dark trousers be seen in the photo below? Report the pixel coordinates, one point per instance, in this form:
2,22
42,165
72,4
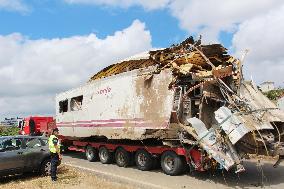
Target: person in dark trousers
54,148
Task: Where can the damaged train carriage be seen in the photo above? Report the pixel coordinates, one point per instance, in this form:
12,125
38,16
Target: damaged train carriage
190,95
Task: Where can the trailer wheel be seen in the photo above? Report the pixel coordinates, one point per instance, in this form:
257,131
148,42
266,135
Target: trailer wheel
144,160
172,164
122,157
105,155
91,153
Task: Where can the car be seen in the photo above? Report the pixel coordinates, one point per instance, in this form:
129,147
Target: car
21,154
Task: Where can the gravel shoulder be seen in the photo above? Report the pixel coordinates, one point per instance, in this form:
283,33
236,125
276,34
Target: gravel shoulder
67,178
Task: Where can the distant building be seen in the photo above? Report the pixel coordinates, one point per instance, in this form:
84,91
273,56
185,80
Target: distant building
280,103
10,121
267,86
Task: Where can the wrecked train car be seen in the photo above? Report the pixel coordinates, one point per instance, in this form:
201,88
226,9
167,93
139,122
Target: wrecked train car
189,95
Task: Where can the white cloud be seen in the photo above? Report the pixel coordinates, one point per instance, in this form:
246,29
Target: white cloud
262,35
207,17
32,71
27,105
14,5
210,17
147,4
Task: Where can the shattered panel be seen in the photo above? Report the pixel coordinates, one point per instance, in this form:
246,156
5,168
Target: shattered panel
236,126
209,142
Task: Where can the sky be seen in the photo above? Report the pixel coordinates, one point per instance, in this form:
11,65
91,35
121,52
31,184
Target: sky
49,46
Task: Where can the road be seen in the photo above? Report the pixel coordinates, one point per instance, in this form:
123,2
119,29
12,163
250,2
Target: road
252,178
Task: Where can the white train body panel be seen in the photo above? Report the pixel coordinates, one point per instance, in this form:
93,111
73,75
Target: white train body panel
122,106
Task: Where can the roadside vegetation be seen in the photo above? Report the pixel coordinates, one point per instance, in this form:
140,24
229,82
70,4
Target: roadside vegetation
8,131
274,94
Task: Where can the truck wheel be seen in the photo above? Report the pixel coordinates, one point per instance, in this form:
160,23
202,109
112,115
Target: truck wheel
105,155
172,164
122,158
91,153
144,160
64,149
45,167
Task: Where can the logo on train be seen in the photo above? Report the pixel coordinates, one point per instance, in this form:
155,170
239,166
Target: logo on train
104,91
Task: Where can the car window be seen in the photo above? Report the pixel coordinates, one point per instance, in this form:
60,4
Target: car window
45,141
1,144
33,143
11,144
1,141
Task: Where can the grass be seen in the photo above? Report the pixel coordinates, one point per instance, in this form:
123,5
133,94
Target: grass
8,131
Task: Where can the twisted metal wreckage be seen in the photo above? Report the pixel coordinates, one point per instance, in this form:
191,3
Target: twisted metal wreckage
214,109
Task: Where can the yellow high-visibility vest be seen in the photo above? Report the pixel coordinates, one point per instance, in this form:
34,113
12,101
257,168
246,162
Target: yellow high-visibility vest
51,145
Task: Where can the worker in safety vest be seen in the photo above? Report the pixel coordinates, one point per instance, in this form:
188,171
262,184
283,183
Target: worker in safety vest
54,148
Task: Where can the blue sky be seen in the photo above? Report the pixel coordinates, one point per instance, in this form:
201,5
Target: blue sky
56,19
49,46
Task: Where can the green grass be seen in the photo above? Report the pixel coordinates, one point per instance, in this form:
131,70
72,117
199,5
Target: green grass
274,94
8,131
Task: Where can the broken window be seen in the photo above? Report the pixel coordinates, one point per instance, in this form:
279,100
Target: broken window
76,103
63,106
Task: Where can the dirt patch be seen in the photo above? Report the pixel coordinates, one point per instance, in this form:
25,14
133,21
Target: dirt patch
154,92
67,178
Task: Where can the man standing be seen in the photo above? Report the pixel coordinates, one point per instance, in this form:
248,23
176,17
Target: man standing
54,149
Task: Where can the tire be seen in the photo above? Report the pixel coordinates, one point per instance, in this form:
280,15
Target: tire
172,164
106,157
91,154
144,160
122,158
45,167
64,149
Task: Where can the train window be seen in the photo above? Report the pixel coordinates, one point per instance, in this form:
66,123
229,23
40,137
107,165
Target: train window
76,103
63,106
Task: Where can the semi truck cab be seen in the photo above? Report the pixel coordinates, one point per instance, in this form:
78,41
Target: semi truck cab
36,125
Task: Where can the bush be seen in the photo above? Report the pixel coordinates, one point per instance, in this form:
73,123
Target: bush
274,94
9,131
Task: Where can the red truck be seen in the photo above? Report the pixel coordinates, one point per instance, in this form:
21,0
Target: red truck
36,125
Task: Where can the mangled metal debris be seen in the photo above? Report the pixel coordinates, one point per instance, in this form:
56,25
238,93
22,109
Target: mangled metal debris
213,109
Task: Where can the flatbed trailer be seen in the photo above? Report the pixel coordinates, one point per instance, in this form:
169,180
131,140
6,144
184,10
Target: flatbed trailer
183,105
173,160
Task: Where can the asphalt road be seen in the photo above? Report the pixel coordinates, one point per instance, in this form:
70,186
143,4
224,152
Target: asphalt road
262,176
